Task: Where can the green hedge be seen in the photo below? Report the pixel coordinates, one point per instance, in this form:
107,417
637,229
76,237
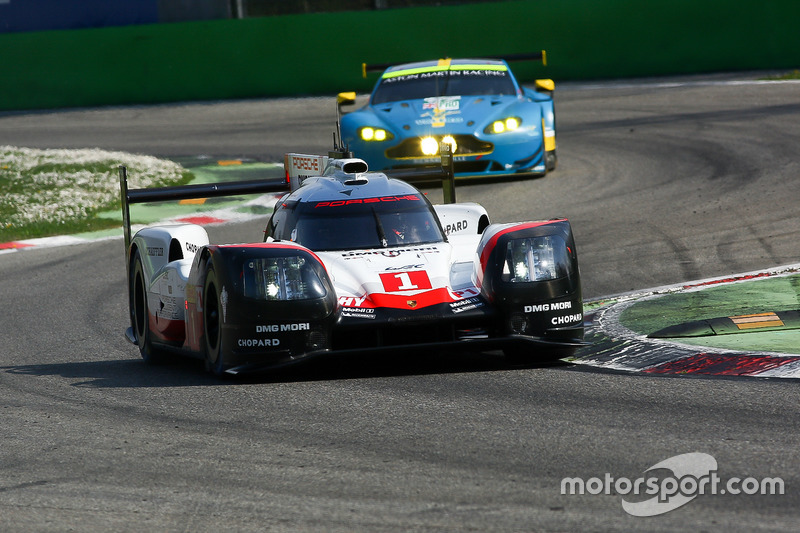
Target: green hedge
322,53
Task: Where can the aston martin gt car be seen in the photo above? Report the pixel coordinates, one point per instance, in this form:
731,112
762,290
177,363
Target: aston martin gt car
351,261
494,125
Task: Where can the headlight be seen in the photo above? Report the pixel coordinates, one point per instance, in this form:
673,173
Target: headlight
535,259
281,278
430,145
374,134
501,126
448,139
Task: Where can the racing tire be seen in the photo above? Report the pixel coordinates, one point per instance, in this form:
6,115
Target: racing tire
139,313
212,325
550,160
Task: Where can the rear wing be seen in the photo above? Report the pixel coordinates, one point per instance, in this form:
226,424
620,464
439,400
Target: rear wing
300,167
187,192
535,56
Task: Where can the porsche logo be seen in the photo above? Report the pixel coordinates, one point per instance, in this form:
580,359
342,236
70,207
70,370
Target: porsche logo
411,303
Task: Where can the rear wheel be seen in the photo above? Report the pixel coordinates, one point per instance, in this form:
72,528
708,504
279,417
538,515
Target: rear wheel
139,314
212,325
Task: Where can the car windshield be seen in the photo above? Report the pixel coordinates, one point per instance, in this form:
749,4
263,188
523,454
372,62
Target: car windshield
462,82
367,223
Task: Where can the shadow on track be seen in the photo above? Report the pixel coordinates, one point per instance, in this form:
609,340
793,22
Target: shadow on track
185,372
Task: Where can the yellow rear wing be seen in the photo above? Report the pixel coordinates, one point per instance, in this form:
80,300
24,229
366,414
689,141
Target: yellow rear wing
535,56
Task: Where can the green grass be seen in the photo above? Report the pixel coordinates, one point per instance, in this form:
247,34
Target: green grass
35,230
793,75
57,192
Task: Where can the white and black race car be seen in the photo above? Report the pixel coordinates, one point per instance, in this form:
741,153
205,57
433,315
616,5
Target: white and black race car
352,261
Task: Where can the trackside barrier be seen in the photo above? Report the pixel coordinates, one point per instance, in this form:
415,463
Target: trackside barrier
263,57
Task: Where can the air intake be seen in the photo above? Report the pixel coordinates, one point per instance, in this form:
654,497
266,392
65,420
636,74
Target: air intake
347,166
355,166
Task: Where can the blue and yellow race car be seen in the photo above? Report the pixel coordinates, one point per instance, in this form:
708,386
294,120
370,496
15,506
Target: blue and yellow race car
495,126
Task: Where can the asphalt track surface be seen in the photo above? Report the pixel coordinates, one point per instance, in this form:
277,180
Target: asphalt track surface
665,181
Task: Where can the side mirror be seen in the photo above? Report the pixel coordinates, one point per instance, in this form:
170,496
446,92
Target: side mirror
545,85
343,99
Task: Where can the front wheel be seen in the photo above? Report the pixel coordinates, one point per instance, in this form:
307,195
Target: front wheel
212,325
140,315
550,160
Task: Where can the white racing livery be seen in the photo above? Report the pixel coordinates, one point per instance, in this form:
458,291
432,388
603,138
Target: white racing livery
352,261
